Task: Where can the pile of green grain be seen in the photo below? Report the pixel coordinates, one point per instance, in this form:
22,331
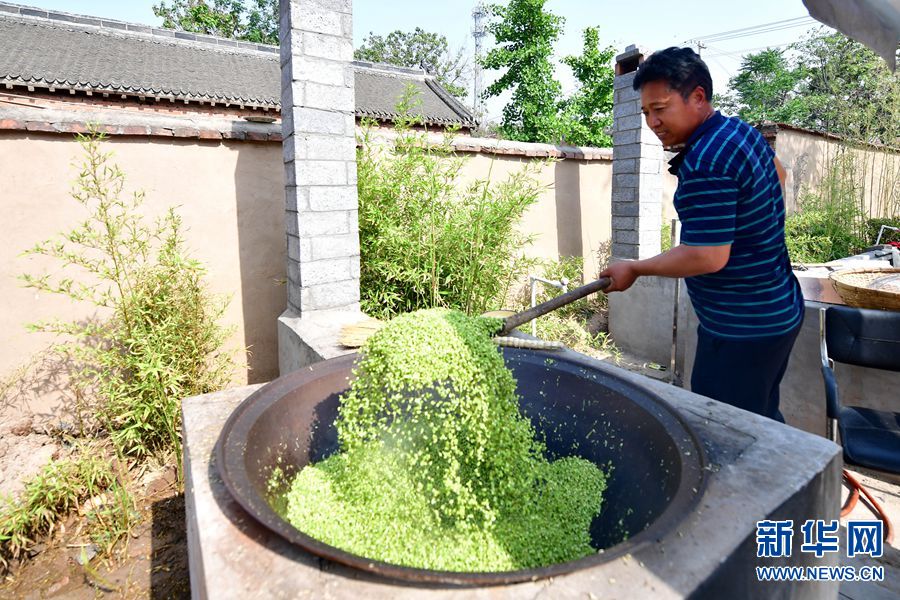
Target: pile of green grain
438,469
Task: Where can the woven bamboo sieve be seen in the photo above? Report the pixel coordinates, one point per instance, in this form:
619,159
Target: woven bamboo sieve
868,287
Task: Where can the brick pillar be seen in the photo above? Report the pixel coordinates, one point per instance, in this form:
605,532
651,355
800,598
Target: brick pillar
321,208
317,108
637,168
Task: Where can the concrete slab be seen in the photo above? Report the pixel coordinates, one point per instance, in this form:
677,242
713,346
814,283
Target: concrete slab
758,469
305,340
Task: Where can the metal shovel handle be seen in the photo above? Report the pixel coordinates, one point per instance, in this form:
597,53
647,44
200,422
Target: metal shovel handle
513,321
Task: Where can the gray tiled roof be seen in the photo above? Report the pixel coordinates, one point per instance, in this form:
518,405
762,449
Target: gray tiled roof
55,50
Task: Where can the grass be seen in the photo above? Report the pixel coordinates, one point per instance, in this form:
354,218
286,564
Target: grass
61,487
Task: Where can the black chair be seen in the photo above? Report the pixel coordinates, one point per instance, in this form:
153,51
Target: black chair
867,338
870,438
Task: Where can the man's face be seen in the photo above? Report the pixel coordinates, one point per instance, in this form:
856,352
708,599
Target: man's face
672,118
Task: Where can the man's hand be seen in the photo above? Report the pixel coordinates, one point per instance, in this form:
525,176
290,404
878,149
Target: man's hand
622,275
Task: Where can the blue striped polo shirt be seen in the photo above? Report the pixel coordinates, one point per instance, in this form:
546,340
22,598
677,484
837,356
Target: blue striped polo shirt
728,193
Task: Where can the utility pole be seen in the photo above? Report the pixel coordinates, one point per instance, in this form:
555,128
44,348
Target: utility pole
700,46
478,32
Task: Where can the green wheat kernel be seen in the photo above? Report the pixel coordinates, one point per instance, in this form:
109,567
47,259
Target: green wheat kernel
437,467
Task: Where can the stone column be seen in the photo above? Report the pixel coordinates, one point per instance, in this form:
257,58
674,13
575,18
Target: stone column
637,168
321,209
640,319
319,154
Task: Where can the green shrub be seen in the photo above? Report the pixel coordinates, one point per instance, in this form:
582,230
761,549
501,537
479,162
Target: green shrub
427,241
59,488
156,339
873,226
665,236
820,233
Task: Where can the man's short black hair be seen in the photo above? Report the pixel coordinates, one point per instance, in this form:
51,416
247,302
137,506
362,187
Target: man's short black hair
681,68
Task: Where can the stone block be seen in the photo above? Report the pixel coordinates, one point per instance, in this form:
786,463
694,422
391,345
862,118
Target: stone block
625,94
293,148
286,37
328,46
314,224
628,122
629,107
626,180
309,69
336,294
351,171
648,166
335,246
293,242
291,227
296,198
332,97
648,208
624,223
286,92
622,166
321,172
630,136
314,120
318,272
298,93
623,81
330,147
649,243
651,195
624,250
293,273
350,121
305,16
342,6
625,195
648,137
625,209
626,151
354,267
648,181
625,237
324,198
295,297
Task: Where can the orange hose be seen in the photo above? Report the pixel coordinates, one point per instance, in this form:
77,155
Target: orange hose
852,498
855,488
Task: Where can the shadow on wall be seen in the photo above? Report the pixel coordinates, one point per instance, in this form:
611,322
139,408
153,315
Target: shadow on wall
567,188
259,194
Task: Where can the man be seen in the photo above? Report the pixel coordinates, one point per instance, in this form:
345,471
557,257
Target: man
732,254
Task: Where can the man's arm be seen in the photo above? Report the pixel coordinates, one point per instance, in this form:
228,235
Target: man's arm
680,261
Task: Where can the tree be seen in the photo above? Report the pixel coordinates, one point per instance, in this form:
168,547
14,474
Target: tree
249,20
525,34
586,116
849,89
765,89
419,49
825,82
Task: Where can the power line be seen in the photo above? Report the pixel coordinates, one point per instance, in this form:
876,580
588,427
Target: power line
756,29
716,51
736,53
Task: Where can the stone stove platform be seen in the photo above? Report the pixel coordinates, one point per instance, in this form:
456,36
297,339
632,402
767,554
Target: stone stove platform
758,470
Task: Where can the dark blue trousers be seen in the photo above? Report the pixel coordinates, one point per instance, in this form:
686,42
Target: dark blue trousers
745,374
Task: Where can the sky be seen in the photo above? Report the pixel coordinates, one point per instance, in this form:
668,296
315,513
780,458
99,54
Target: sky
652,24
